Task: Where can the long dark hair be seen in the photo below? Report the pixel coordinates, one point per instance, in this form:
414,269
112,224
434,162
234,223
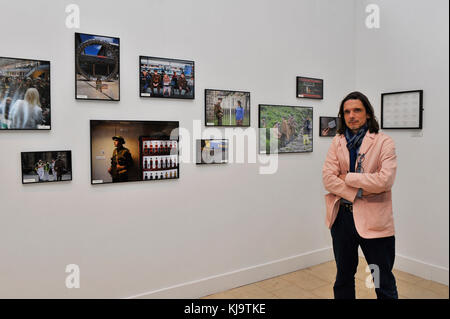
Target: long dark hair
372,122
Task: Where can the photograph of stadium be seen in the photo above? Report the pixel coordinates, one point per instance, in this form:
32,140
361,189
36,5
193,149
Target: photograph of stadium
97,67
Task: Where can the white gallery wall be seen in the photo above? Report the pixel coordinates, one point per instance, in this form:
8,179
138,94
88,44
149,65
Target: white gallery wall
218,226
410,51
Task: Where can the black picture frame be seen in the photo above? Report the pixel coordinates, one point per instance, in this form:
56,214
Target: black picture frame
27,181
330,122
261,151
314,83
209,107
108,48
199,148
411,111
3,91
156,135
142,82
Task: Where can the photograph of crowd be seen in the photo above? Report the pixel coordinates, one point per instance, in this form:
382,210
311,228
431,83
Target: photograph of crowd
285,129
328,126
41,167
97,67
24,94
309,88
167,78
125,151
212,151
227,108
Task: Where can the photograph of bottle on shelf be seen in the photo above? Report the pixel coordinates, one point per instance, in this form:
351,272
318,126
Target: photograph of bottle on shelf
159,158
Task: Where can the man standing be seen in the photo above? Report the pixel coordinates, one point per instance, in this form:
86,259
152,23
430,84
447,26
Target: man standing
121,161
306,131
59,168
218,111
359,172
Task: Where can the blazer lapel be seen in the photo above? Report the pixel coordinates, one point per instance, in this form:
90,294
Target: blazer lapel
344,151
367,143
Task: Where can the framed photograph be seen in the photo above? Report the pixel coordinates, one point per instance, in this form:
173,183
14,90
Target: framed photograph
97,67
310,88
24,94
285,129
125,151
212,151
227,108
166,78
402,110
328,126
43,167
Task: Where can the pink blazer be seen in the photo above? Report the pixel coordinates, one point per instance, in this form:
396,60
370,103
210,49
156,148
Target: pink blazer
372,213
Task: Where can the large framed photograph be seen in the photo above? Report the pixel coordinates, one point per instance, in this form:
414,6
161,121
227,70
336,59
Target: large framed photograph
227,108
402,110
166,78
285,129
50,166
212,151
310,88
24,94
124,151
97,67
328,126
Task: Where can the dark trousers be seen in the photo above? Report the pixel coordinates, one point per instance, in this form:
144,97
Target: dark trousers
378,251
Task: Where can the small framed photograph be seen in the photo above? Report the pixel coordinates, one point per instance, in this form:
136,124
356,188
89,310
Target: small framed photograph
24,94
285,129
212,151
43,167
166,78
328,126
310,88
402,110
227,108
97,67
127,151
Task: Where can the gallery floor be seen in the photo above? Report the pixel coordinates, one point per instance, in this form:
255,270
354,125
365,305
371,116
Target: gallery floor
317,282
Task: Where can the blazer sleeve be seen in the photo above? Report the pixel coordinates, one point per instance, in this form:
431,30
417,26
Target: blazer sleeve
381,181
330,176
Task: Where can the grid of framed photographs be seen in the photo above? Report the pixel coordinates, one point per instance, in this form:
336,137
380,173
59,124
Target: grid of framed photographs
402,110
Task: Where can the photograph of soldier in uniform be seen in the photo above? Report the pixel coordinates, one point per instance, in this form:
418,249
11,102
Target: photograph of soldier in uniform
52,166
328,126
211,151
227,108
97,67
24,94
116,151
285,129
309,88
166,78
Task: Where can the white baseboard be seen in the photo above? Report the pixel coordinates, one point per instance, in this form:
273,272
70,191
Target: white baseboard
240,277
422,269
419,268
